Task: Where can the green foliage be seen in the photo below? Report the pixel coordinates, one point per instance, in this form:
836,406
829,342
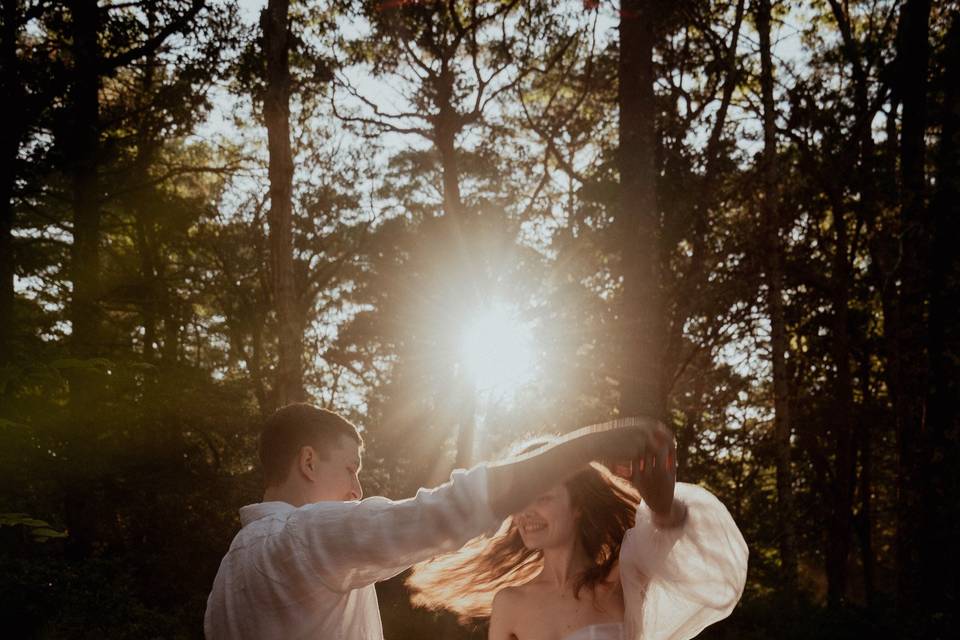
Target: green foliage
39,530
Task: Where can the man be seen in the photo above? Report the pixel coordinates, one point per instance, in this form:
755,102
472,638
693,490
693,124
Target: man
306,559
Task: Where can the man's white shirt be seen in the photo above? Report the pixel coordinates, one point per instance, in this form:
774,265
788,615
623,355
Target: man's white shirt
309,572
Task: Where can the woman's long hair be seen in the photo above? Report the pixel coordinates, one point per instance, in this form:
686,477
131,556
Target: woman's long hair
466,580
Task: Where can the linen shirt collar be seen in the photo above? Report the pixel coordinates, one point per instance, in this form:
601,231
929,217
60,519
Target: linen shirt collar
258,510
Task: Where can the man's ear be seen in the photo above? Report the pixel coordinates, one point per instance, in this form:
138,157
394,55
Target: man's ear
307,462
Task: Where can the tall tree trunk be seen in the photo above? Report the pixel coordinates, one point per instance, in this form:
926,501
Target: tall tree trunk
276,37
913,56
940,560
459,257
864,519
82,150
770,208
172,317
83,153
264,400
841,515
148,276
637,223
140,203
445,135
6,269
10,139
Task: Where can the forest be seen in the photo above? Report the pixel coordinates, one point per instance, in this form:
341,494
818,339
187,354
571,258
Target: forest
461,222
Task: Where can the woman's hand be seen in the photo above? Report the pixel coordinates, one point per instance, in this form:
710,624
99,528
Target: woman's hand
655,475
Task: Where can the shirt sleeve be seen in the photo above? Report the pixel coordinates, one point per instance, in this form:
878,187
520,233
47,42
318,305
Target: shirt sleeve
679,580
348,545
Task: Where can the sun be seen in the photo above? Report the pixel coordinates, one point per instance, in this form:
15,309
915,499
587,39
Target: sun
497,351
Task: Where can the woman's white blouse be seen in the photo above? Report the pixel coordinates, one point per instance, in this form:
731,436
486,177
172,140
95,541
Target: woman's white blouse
677,581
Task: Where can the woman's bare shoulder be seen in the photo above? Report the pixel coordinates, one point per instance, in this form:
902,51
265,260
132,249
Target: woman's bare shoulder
509,596
509,599
507,608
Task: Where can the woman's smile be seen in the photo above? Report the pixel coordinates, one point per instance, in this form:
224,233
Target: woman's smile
533,526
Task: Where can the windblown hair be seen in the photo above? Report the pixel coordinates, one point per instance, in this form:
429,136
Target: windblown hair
465,581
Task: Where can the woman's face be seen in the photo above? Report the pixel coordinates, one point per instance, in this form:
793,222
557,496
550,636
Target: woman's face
549,521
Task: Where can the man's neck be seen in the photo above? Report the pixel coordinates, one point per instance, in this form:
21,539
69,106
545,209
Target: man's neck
284,493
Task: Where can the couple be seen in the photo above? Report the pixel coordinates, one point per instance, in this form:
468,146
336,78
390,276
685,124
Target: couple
568,550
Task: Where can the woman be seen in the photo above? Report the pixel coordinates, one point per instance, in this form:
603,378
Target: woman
588,560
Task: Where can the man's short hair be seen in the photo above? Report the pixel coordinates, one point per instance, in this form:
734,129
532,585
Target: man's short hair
295,426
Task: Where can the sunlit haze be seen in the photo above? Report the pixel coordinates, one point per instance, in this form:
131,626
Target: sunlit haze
497,351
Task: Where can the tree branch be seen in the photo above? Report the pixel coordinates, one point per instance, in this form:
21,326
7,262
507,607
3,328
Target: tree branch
175,26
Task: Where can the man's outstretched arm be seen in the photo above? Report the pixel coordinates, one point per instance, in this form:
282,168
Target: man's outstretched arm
346,545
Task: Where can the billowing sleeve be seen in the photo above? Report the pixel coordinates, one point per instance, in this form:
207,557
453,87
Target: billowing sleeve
677,581
348,545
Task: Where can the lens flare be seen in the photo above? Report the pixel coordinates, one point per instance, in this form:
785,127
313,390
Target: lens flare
497,352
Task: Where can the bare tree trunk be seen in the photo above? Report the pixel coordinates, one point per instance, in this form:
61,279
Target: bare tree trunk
445,132
637,222
140,204
172,317
82,144
940,560
460,253
148,275
460,258
264,401
10,139
7,322
913,57
778,339
276,36
83,151
864,519
838,539
847,440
